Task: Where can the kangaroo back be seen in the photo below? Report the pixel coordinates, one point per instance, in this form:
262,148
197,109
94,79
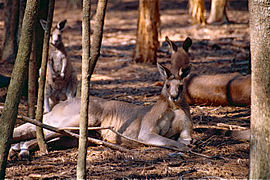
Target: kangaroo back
166,123
219,89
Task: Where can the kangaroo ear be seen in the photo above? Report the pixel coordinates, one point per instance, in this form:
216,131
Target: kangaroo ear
172,45
187,43
43,24
184,72
61,25
164,72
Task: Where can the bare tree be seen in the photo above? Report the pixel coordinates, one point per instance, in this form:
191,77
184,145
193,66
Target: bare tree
39,114
8,118
196,10
87,71
260,94
82,151
147,32
35,60
97,34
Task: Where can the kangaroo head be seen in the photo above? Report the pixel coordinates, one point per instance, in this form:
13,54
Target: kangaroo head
173,88
179,57
56,34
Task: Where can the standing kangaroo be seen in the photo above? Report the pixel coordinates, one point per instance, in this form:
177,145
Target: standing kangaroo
61,80
167,118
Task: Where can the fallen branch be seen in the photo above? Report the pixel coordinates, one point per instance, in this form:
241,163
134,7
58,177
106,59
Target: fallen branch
71,134
230,126
66,132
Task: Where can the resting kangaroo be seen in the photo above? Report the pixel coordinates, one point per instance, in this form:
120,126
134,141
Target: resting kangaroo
219,89
179,56
167,118
231,89
61,80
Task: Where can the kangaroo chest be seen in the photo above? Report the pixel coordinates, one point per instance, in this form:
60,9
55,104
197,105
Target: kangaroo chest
56,59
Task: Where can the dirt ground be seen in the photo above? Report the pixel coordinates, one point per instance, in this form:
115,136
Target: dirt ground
215,49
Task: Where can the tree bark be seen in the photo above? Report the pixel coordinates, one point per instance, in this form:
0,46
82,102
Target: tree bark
40,102
197,11
21,14
9,49
97,34
218,12
260,94
82,151
94,52
9,114
36,56
147,32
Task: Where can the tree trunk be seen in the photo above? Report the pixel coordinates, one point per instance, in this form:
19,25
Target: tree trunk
82,151
97,34
218,13
9,114
21,14
40,102
9,49
36,56
147,32
95,52
196,10
31,100
260,94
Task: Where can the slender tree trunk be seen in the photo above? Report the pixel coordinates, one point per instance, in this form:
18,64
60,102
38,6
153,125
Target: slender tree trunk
9,48
97,34
147,32
9,114
82,151
40,102
218,12
95,52
260,92
31,83
197,11
36,56
21,14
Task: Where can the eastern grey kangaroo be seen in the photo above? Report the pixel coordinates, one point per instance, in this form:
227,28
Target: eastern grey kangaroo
157,124
61,80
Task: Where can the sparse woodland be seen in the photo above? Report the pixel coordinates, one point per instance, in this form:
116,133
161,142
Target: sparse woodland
121,73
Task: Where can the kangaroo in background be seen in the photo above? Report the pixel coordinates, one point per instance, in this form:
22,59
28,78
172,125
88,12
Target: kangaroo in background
61,80
179,56
231,89
157,124
219,89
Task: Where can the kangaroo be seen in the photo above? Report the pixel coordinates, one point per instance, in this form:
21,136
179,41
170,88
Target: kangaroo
179,56
219,89
61,80
157,124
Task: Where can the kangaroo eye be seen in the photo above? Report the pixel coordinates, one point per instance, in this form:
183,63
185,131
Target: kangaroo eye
167,86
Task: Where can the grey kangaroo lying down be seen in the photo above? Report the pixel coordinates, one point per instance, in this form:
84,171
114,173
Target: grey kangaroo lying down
156,125
219,89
